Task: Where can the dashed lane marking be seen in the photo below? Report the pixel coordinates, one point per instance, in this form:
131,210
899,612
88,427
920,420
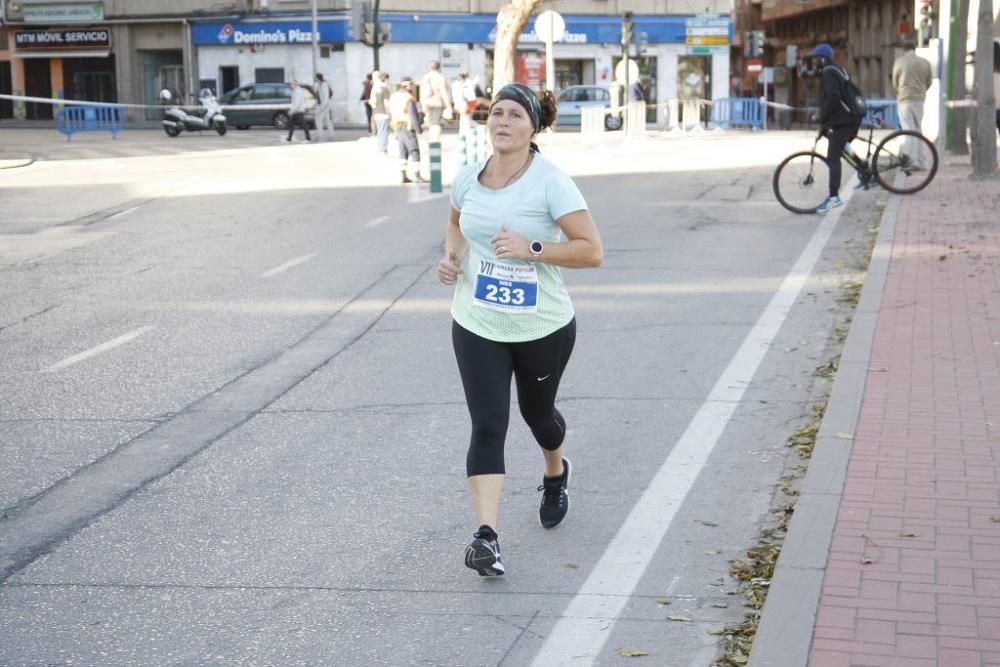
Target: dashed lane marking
287,265
376,222
94,351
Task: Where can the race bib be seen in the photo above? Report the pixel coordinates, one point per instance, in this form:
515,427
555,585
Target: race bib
509,288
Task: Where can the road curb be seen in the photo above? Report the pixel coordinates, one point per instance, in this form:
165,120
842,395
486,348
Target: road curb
784,635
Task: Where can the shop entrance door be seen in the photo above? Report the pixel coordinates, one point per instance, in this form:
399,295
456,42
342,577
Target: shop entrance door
693,84
229,78
37,83
161,70
6,88
647,82
94,86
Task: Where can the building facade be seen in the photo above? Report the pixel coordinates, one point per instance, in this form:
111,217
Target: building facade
126,51
865,34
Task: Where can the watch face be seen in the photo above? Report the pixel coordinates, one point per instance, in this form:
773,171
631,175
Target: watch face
536,247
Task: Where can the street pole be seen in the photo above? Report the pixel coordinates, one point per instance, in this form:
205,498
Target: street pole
375,33
550,60
315,41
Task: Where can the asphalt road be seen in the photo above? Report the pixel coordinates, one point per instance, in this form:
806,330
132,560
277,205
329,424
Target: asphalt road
232,430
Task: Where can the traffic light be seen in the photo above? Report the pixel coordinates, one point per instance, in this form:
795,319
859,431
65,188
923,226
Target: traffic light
384,32
757,46
748,44
627,28
368,36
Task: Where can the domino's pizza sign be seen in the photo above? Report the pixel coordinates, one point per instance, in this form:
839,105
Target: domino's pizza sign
267,32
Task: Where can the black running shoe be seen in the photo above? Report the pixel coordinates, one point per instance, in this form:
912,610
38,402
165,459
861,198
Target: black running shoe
555,498
483,555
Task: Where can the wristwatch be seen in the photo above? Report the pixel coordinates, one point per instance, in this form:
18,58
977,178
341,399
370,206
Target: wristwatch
536,249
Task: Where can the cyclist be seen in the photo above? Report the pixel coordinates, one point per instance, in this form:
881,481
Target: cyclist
839,125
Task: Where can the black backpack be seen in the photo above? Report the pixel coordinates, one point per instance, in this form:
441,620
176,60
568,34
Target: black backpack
851,99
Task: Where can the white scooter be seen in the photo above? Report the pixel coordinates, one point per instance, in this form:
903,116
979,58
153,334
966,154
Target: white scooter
177,120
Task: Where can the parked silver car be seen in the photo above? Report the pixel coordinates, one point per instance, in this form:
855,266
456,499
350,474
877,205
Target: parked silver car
270,94
574,98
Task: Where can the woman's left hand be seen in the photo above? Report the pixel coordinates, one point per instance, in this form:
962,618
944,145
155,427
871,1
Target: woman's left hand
508,245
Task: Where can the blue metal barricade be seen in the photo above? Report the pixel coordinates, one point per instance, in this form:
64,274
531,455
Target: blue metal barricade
91,118
737,112
882,112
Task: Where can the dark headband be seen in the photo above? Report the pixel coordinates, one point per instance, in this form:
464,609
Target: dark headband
517,92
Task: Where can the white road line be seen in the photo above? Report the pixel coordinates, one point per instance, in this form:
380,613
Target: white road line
377,221
589,618
103,347
122,214
287,265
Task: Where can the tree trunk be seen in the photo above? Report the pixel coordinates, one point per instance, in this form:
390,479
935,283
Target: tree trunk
984,157
958,140
511,20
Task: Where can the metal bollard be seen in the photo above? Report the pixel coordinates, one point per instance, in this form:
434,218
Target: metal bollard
461,149
484,141
435,153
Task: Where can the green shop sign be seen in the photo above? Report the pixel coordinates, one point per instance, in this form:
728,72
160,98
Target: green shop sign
87,12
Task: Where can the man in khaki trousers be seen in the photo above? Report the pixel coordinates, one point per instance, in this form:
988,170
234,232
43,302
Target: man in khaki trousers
912,76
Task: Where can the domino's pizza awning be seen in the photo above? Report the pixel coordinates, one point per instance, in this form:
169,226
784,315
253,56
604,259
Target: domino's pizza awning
407,28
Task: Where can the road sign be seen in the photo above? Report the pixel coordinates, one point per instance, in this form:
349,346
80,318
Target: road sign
755,66
706,50
633,71
550,26
707,40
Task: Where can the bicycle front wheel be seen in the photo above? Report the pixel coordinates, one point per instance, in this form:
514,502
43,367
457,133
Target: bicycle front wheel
905,162
802,181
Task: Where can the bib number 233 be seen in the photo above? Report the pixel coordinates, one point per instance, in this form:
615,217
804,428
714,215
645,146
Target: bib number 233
510,288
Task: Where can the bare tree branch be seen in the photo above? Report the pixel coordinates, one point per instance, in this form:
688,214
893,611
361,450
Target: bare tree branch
511,20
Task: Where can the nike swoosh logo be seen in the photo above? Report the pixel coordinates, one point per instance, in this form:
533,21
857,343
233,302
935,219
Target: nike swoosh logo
544,378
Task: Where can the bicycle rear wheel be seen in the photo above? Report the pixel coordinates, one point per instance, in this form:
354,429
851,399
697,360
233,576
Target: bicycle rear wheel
905,162
802,181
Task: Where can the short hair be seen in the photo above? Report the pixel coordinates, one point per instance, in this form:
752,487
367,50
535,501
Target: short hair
435,65
908,45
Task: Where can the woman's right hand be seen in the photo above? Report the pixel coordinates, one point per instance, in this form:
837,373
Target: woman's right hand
449,268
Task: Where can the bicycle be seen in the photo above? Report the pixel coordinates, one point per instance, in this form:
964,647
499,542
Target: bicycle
801,181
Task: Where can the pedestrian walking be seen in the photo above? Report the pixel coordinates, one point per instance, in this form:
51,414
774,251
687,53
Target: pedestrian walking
636,93
297,111
379,102
838,124
406,124
463,97
434,97
515,219
366,93
912,76
324,109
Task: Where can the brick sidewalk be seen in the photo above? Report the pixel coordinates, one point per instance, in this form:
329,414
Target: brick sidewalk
913,577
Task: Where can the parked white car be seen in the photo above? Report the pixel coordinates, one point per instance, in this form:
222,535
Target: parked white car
575,98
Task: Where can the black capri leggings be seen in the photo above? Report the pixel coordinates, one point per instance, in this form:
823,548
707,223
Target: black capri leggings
839,137
486,367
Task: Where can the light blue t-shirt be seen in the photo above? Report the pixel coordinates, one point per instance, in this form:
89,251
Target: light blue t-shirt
512,301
